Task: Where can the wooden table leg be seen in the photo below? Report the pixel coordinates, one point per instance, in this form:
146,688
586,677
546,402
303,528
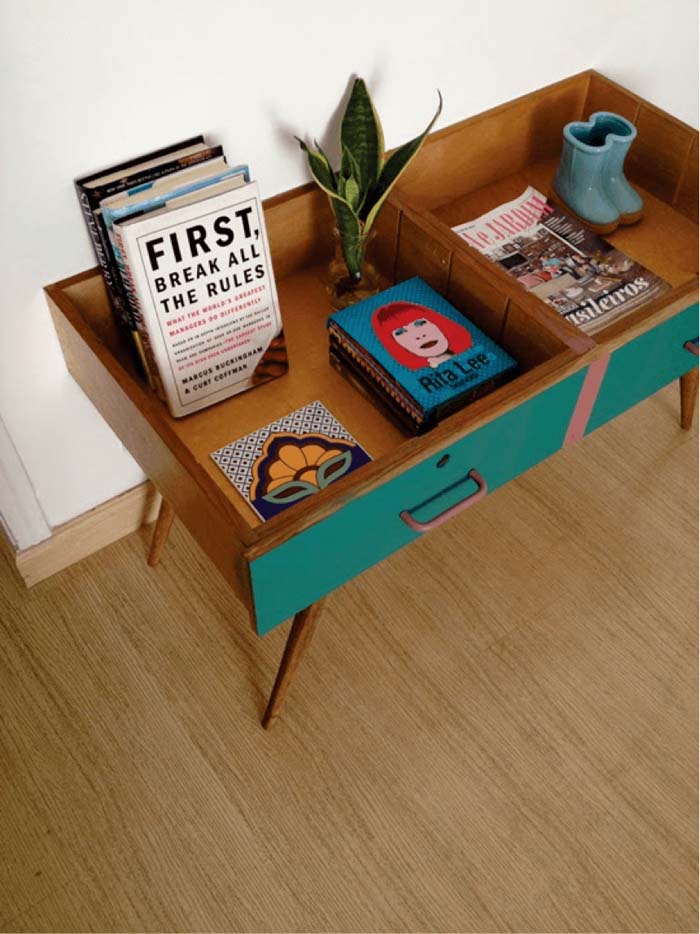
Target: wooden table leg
689,396
160,532
300,633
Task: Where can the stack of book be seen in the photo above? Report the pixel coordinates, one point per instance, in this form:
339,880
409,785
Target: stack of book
415,354
180,238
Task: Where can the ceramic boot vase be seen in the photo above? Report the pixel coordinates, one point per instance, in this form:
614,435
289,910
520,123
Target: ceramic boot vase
620,134
590,180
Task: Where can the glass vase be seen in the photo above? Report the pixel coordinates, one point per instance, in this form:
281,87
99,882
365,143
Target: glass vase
344,289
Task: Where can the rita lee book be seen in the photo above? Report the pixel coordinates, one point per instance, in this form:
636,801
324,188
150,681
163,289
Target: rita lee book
416,353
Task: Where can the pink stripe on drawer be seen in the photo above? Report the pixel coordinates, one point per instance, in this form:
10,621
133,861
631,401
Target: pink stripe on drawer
586,399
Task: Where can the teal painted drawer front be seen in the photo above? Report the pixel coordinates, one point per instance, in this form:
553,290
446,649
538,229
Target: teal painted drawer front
316,561
645,365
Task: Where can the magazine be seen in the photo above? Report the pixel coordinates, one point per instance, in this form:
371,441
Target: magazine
563,263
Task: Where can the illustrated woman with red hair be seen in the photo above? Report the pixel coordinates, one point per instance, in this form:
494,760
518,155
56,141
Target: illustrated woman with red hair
416,336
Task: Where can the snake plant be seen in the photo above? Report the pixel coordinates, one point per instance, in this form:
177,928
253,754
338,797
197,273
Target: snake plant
360,187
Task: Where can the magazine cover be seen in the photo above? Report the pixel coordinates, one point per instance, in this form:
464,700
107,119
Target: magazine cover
554,256
414,339
290,459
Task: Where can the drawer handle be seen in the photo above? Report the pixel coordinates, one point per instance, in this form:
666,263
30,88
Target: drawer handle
692,347
481,491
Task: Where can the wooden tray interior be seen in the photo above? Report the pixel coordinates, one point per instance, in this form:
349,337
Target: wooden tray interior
299,226
470,168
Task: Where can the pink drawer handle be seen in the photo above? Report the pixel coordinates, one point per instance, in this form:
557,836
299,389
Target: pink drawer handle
692,347
480,493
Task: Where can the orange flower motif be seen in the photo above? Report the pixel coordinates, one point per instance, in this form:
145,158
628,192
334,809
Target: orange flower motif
298,462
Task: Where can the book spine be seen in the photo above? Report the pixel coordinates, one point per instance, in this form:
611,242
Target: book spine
146,176
90,201
371,391
382,375
381,388
381,379
141,336
104,258
130,163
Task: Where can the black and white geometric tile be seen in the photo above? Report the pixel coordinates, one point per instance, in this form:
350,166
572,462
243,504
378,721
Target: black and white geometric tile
237,458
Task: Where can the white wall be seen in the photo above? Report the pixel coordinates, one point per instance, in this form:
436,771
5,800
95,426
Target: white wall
87,83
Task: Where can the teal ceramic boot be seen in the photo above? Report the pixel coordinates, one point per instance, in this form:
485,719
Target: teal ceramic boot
579,183
620,133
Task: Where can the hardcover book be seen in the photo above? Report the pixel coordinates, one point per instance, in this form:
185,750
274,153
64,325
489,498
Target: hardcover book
410,347
290,459
199,276
156,194
94,188
550,253
175,189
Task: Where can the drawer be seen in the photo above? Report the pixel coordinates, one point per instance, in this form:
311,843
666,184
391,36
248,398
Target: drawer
642,367
281,566
369,528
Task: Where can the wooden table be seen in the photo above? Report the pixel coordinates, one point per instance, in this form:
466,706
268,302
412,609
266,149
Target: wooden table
569,383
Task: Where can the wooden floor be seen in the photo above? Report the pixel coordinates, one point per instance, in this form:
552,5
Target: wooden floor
495,730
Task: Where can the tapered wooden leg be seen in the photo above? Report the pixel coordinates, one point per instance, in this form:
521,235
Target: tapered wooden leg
689,396
302,629
160,532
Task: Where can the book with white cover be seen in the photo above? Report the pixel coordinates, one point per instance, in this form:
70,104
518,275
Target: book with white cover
201,278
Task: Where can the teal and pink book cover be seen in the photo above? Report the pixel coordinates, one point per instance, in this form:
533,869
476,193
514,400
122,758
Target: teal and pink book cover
432,351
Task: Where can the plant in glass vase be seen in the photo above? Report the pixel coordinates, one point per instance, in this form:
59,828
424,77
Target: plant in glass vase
358,190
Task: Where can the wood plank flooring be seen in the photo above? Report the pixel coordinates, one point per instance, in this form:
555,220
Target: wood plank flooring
494,730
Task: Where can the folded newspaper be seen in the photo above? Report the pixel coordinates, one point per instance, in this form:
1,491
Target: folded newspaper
554,256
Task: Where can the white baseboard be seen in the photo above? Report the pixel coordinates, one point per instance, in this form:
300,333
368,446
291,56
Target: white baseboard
86,534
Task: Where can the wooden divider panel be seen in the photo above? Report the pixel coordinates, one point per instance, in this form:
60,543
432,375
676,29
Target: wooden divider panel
526,338
686,200
658,156
485,304
422,256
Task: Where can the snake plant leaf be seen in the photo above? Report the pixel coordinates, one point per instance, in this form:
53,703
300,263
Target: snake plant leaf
320,169
350,235
361,133
359,189
351,170
349,166
323,155
380,134
345,163
352,193
395,165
